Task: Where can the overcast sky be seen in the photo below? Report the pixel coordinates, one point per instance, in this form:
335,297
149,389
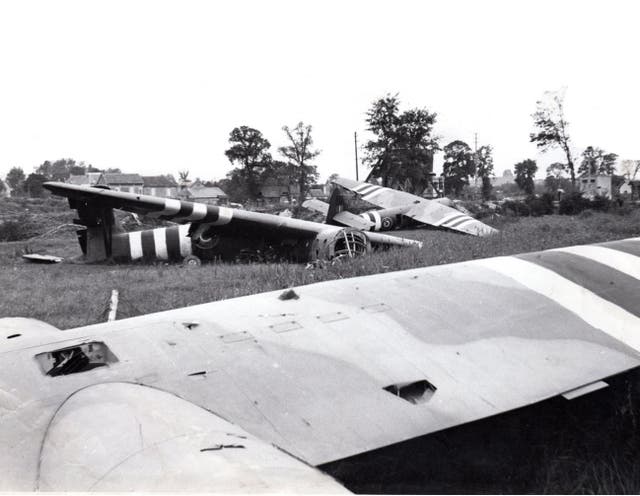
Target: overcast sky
155,87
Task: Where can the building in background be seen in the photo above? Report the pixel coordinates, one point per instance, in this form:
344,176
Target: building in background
164,186
126,183
592,185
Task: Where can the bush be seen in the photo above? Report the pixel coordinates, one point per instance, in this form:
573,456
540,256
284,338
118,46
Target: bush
18,229
573,203
542,205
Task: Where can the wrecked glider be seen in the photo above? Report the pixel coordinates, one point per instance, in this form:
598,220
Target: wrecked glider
207,232
396,207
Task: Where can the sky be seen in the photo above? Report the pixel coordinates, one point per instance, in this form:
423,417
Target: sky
155,87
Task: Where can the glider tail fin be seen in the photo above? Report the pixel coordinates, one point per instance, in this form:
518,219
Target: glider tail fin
100,225
337,204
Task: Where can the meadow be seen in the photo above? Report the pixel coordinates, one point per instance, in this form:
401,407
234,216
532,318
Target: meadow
581,448
69,294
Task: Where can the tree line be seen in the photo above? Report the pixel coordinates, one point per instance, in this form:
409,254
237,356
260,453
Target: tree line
399,155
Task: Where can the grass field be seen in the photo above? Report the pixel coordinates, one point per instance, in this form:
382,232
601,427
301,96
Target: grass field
69,295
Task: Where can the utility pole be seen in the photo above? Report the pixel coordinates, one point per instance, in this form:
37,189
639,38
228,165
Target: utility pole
475,159
355,142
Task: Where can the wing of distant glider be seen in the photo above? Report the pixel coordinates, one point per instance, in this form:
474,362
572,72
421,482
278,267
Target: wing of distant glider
332,370
312,239
420,209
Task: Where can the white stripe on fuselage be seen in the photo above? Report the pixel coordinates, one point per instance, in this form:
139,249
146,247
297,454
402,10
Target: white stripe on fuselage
377,220
185,240
171,207
224,216
135,245
160,242
199,212
591,308
618,260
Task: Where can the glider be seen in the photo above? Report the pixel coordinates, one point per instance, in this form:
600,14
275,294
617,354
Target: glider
396,207
207,232
254,393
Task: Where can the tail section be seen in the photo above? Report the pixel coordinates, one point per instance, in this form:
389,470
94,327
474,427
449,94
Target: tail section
337,204
96,240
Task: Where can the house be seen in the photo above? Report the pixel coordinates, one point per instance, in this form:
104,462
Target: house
278,189
88,179
164,186
207,194
592,185
126,183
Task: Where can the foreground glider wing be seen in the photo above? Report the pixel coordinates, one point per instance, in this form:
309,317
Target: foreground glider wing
342,368
420,209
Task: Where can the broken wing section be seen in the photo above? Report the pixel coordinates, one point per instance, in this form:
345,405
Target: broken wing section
429,212
439,215
126,437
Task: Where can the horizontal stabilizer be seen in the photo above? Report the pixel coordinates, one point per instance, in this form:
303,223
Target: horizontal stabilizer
352,220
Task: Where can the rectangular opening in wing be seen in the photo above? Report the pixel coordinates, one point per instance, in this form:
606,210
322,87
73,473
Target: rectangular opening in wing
414,392
75,359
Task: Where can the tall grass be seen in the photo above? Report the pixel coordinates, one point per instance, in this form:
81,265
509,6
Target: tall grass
70,295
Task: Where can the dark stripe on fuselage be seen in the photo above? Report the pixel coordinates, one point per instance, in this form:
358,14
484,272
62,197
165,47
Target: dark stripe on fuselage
186,209
173,243
120,247
630,247
148,245
610,284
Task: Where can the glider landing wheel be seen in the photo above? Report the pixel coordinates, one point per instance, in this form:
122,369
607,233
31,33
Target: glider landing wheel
191,261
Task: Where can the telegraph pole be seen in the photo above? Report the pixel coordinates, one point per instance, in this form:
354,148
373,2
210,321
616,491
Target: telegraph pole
355,142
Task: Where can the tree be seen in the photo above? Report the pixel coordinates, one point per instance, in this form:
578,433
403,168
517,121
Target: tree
484,169
33,185
299,154
630,168
555,179
597,161
458,165
525,171
3,187
61,169
15,179
251,151
551,128
401,154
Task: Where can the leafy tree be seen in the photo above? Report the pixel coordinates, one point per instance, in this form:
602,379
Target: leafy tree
630,168
525,171
597,161
15,179
484,169
402,152
298,154
556,179
458,166
61,169
250,150
551,128
33,184
3,186
235,186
